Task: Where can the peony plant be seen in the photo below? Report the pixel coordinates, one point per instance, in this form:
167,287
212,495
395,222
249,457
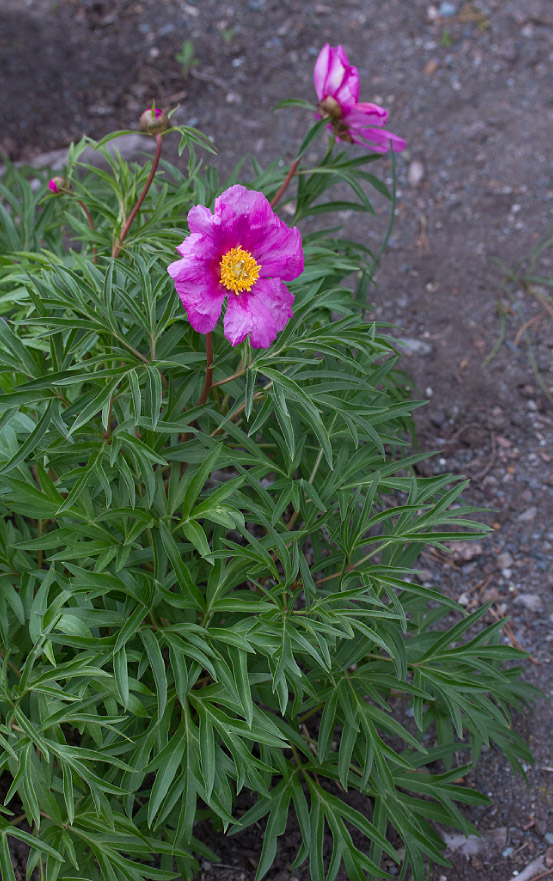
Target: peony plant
210,530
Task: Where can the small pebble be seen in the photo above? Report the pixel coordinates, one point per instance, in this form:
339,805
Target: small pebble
548,837
507,852
505,560
529,514
415,172
414,347
530,601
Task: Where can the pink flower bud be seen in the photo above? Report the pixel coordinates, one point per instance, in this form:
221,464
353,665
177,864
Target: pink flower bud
58,185
154,122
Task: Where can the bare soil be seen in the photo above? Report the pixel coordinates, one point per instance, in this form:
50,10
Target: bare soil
469,87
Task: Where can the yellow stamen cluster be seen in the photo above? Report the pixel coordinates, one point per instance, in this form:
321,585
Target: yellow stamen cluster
239,270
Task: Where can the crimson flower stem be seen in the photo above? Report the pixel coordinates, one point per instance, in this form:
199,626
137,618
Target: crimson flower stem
135,210
282,189
209,370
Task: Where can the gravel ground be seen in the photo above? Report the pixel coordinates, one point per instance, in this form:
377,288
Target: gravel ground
469,87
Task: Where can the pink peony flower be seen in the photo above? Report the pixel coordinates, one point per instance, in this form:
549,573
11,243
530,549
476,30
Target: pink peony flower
337,87
243,251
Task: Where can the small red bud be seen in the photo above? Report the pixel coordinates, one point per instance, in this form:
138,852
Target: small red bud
58,185
154,122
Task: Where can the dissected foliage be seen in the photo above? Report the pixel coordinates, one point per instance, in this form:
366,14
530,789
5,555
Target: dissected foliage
200,600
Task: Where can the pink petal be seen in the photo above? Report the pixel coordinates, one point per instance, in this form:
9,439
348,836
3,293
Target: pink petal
203,306
274,294
335,77
238,212
196,278
247,219
348,91
279,251
188,250
262,313
240,204
363,114
320,71
201,220
378,139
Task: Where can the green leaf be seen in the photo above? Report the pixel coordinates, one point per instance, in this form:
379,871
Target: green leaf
196,536
188,589
311,135
157,665
169,762
276,825
6,865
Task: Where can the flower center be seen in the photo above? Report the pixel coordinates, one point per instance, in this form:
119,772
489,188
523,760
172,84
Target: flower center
239,270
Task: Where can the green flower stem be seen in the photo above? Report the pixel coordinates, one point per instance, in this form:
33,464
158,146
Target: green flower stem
242,407
209,370
353,566
11,664
134,212
295,514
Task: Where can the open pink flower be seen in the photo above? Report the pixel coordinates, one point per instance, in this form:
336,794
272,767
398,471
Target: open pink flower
244,252
337,87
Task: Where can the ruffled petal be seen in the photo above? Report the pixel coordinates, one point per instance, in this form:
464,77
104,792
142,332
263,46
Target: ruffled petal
240,319
189,249
321,70
239,200
335,77
196,277
363,114
203,306
261,313
278,251
348,90
201,220
247,220
378,139
273,293
199,259
240,213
